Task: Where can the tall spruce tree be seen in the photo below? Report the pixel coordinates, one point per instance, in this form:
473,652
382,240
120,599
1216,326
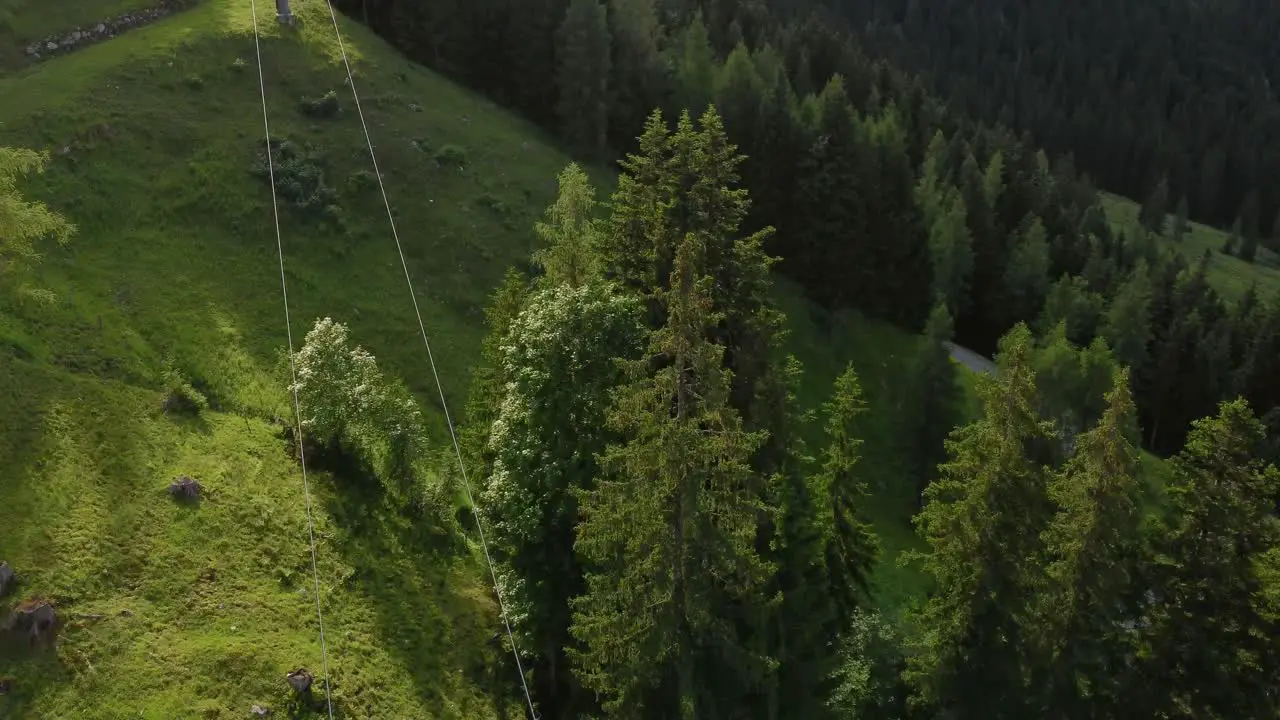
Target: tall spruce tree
571,254
1153,211
1091,574
1208,643
582,78
982,522
934,400
669,532
639,73
851,546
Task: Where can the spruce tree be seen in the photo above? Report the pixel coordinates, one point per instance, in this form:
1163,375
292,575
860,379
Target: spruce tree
1208,643
851,546
1127,326
982,522
582,57
934,400
571,255
694,63
1180,225
639,79
1153,212
1026,277
1092,555
669,531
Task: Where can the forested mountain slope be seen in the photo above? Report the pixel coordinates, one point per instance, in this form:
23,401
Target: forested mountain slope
708,492
1136,90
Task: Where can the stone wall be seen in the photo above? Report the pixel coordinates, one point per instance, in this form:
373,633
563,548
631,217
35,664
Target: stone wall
77,38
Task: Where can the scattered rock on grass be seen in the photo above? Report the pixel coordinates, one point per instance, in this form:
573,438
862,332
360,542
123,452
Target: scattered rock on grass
7,578
185,488
300,680
260,711
34,618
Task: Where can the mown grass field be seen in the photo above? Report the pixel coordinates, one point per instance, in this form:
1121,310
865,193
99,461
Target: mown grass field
1230,275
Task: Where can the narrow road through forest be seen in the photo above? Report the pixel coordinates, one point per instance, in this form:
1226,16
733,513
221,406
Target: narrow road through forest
971,359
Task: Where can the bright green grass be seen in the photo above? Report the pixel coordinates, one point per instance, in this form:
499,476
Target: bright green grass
1230,275
176,256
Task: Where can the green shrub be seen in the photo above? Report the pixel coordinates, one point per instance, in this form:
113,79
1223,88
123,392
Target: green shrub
359,181
299,174
324,106
451,156
180,396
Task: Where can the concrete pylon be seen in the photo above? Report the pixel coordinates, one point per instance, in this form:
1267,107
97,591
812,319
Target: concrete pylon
282,12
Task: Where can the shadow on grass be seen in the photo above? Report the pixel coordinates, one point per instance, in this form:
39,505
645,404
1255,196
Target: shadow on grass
409,569
66,442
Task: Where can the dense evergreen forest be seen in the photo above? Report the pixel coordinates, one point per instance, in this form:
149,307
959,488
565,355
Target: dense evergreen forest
1139,91
670,546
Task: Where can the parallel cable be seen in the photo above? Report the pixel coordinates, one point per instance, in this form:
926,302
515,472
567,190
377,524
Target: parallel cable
297,410
515,651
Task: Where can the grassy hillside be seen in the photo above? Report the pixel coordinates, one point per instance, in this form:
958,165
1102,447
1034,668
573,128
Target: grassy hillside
186,611
203,609
1230,275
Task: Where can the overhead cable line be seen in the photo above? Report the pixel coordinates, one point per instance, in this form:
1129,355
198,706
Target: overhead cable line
297,411
453,435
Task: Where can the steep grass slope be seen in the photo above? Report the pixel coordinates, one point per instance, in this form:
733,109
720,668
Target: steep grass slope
198,611
176,611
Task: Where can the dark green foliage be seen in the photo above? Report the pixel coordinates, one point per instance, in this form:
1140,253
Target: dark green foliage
1179,229
582,77
1070,301
850,543
1208,646
639,82
868,682
934,397
325,106
694,65
1127,326
1156,208
1136,91
982,521
559,358
656,638
1086,595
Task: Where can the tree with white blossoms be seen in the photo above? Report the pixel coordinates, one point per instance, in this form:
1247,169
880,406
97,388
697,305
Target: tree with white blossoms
344,399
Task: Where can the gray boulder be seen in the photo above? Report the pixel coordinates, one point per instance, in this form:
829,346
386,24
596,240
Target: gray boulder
300,680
